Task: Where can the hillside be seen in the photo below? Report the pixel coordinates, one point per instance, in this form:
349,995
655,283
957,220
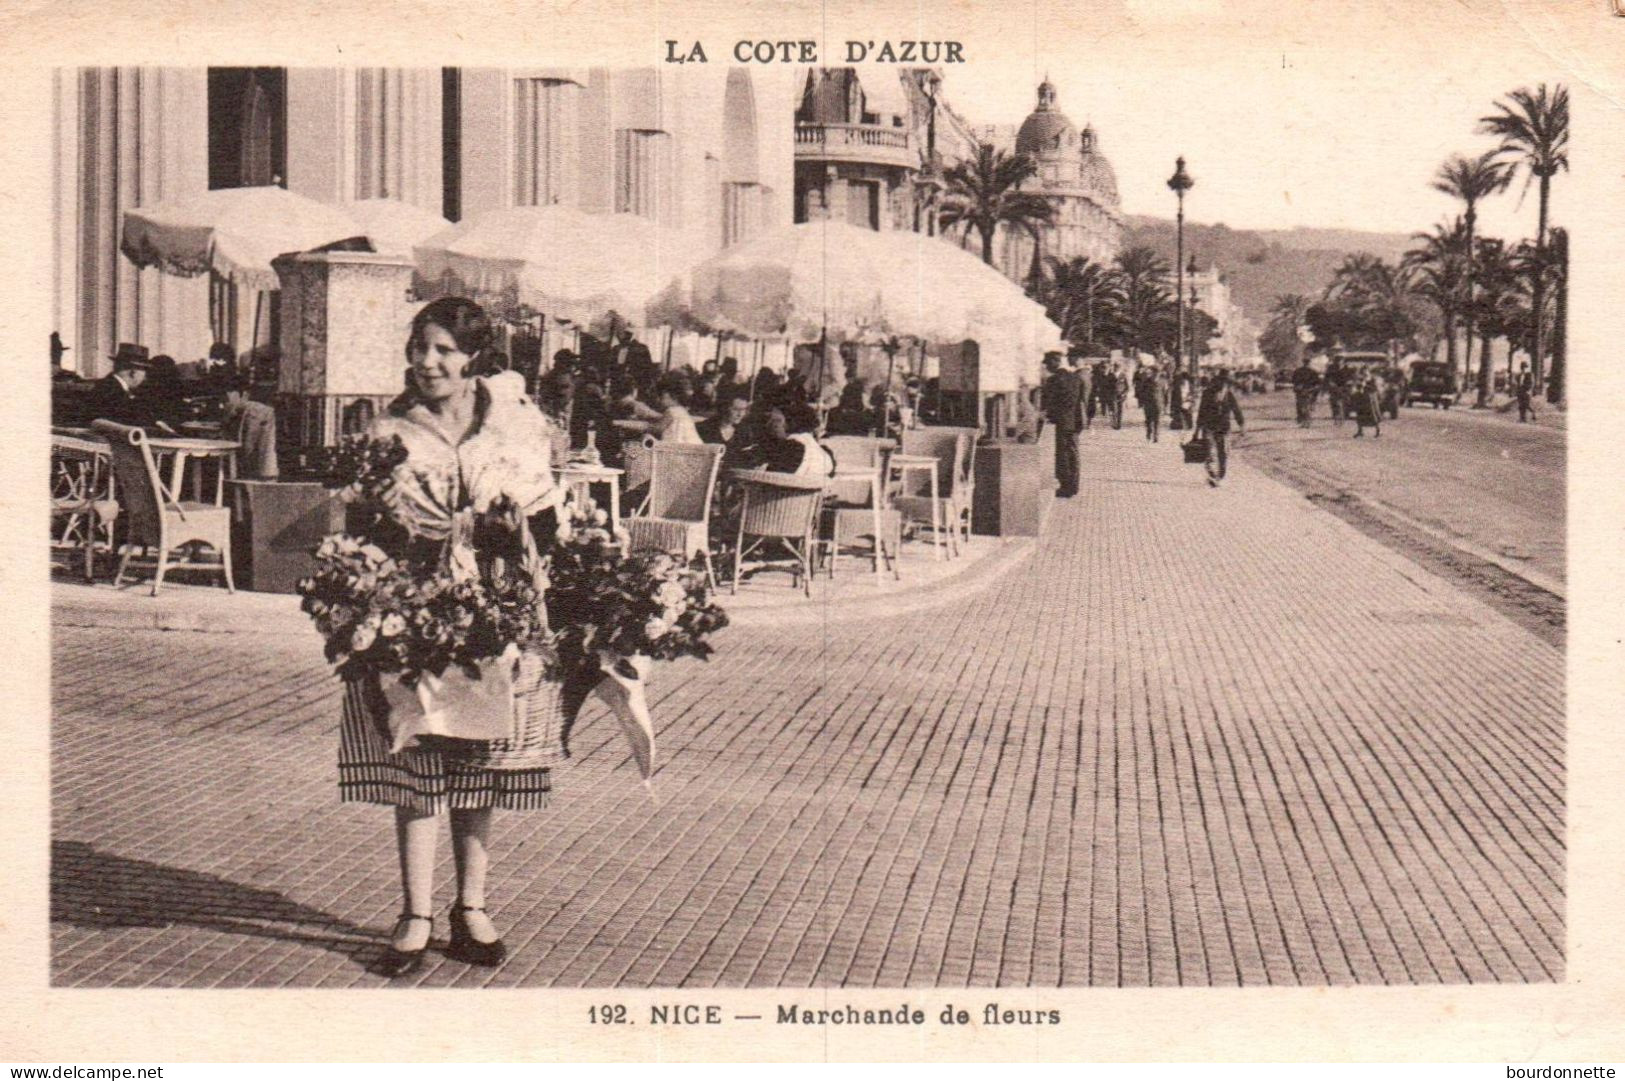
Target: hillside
1263,264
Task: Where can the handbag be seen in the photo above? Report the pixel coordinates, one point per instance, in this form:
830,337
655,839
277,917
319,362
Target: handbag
1197,449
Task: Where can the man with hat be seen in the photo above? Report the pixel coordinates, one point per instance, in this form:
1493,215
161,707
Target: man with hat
114,397
1063,406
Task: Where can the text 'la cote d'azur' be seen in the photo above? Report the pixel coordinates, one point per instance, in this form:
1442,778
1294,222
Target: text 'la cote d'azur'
749,51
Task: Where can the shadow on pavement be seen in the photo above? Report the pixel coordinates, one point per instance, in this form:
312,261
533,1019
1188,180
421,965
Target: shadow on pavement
98,890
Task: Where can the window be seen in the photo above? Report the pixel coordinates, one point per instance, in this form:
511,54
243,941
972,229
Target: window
248,127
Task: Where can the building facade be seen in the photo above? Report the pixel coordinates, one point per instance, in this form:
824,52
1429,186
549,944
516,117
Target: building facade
871,149
1079,182
686,148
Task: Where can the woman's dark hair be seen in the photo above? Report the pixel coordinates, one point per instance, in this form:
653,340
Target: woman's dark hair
467,324
674,385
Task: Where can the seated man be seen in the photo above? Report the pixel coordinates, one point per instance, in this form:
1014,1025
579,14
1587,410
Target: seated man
114,397
253,424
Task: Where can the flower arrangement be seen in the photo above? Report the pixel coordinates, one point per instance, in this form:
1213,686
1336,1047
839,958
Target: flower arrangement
383,615
360,465
603,601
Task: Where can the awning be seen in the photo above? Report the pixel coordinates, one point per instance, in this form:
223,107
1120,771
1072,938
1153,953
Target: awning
883,92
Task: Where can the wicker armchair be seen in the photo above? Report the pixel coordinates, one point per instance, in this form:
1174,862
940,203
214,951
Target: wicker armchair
677,516
953,448
84,504
156,519
779,507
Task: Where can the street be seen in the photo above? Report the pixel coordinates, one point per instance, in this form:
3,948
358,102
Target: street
1473,476
1200,737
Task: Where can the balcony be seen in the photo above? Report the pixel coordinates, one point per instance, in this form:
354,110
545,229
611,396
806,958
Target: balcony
866,143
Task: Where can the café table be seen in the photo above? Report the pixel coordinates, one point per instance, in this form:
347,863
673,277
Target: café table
182,450
903,465
176,451
580,475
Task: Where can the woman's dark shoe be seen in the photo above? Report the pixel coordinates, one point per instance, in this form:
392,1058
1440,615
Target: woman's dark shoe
397,963
468,949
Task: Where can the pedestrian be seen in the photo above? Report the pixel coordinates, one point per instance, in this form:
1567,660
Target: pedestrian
1119,391
1213,415
1064,409
1526,394
1152,393
1305,383
1366,407
1338,382
454,423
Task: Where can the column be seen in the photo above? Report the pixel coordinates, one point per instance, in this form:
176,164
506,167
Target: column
488,140
142,137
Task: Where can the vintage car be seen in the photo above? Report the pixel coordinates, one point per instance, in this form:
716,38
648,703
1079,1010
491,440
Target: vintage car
1433,381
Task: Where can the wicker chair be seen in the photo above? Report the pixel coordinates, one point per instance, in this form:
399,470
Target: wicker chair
83,500
677,517
854,452
639,460
779,507
953,449
156,519
851,523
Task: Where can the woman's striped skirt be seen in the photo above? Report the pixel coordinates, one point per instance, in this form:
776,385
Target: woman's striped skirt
440,774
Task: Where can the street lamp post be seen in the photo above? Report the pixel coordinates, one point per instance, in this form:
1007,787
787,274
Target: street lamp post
1181,183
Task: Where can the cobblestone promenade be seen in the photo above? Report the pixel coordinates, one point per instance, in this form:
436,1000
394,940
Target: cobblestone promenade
1200,737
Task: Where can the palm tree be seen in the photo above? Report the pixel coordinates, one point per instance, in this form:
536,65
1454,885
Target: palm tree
1437,272
1353,278
1080,295
1492,307
984,193
1533,126
1143,279
1472,180
1279,341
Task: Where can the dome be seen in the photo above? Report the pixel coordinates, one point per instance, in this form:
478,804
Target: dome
1096,173
1046,132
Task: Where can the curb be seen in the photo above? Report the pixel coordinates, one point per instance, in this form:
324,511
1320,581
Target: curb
279,614
959,586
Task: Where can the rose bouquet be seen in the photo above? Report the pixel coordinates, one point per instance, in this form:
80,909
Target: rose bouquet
388,616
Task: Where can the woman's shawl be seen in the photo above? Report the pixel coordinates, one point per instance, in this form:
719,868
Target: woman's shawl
508,454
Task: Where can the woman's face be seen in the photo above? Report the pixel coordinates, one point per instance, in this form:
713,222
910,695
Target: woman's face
776,424
438,365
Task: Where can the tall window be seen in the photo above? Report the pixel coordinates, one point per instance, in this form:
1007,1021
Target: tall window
544,123
248,127
643,179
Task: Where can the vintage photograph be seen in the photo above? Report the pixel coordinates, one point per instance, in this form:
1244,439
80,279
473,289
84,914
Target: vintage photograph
708,524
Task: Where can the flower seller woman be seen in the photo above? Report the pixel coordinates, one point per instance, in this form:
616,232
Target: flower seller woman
471,440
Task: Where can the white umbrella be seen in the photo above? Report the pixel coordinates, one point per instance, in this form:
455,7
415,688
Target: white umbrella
832,280
395,227
235,232
557,260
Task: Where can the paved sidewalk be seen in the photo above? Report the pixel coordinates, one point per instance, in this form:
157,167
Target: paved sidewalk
1199,737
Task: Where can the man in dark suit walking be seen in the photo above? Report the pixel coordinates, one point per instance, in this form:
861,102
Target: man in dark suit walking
1063,406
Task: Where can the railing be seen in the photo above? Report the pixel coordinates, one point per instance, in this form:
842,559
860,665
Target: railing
851,135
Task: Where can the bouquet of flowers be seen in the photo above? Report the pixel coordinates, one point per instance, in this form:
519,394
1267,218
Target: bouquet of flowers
383,615
646,604
360,465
